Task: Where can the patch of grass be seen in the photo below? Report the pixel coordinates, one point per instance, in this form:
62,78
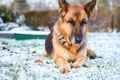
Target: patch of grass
4,43
15,77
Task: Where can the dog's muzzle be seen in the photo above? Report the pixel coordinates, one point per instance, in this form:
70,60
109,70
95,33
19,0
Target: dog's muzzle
77,40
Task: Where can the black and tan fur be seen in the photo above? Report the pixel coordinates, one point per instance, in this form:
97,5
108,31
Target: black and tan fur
67,41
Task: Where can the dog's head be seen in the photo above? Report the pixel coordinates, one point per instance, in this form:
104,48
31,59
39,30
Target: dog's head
74,19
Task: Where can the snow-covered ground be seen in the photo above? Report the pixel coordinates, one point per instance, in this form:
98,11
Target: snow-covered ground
23,60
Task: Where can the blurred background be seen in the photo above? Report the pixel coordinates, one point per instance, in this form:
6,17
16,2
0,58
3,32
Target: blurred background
40,15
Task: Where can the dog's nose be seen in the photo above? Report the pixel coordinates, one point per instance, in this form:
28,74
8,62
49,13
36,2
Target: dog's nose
78,40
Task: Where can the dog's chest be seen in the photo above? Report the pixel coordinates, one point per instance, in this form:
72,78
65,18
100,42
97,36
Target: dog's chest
70,56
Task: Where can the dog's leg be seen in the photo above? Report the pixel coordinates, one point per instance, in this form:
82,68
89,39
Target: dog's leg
63,64
91,54
79,62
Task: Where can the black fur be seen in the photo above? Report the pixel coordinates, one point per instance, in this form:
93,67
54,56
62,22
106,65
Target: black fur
48,43
89,7
64,6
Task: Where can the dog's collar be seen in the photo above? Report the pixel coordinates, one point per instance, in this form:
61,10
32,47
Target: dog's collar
57,32
60,37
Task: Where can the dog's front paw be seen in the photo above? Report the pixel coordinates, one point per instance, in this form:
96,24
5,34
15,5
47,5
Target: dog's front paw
64,69
75,65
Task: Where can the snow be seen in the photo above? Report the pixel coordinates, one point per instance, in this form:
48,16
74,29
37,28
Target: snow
5,2
17,60
42,5
10,26
21,31
19,25
22,28
1,21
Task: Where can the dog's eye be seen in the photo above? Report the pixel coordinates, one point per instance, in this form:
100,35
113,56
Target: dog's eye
71,22
83,22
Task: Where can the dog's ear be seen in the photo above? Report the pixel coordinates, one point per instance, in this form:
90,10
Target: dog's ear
89,7
63,7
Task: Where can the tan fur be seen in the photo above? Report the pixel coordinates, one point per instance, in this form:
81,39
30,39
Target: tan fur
64,30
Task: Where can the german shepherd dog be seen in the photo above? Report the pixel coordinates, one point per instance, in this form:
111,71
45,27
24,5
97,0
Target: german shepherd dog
67,41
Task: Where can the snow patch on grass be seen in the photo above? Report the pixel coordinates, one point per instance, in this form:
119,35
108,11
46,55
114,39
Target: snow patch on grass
17,60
